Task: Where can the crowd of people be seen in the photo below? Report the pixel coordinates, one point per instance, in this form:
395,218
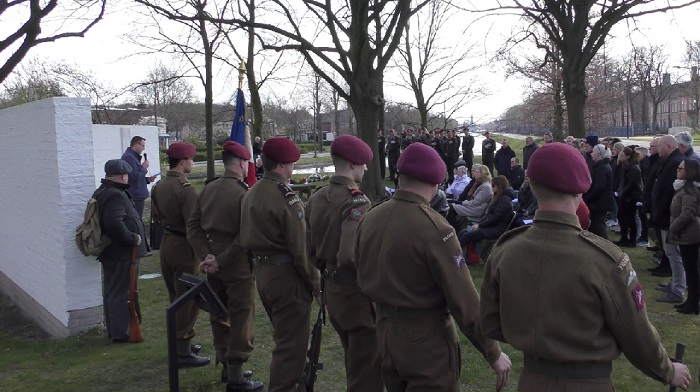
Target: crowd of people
394,294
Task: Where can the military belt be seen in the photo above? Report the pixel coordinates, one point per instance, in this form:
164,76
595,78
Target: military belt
273,259
343,277
403,313
568,369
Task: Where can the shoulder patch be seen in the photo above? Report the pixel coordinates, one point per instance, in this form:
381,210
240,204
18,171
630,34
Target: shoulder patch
184,182
511,233
286,190
358,197
614,253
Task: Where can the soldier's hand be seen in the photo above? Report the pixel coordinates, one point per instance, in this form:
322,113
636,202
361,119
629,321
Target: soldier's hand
681,377
502,368
138,239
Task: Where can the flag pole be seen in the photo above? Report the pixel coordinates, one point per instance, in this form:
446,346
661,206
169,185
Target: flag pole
241,74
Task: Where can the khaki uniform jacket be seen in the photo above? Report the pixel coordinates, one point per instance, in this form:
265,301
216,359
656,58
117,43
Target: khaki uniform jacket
333,214
217,217
173,200
409,256
562,294
272,221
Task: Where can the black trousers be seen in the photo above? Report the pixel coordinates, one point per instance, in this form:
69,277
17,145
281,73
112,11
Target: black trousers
644,235
468,157
597,225
393,160
466,237
689,254
488,162
627,211
115,298
382,165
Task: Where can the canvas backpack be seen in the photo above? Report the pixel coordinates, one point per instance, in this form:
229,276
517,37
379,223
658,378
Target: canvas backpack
88,235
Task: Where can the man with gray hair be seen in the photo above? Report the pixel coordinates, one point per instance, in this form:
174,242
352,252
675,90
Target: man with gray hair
661,196
530,147
461,181
685,145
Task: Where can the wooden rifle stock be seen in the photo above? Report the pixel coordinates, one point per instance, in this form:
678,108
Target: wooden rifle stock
135,335
314,352
680,351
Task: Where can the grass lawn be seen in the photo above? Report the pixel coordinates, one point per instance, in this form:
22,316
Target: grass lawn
88,362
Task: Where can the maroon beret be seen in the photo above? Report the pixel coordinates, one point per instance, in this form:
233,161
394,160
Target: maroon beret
352,148
181,150
281,149
423,163
237,149
559,167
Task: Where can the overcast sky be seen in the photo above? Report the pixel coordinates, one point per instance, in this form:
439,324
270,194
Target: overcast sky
105,52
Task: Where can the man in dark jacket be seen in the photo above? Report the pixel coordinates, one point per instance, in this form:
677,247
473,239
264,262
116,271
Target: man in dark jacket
530,147
685,145
137,178
664,267
393,150
502,159
488,149
599,198
517,174
468,149
381,148
120,222
661,197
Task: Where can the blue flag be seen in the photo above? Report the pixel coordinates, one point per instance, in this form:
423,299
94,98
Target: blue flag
238,126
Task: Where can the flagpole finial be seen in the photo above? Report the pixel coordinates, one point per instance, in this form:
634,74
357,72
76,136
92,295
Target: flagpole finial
241,74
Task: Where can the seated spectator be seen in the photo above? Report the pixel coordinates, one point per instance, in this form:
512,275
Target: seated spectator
259,169
439,203
497,218
477,198
517,174
527,204
461,181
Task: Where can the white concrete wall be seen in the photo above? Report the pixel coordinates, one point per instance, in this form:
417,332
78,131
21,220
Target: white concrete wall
52,161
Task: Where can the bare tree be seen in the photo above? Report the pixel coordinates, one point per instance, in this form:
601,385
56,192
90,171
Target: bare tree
30,82
577,29
70,19
434,71
363,36
164,89
199,45
651,67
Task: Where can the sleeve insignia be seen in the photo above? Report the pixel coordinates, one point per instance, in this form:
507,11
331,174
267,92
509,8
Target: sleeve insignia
300,214
356,214
638,297
286,190
631,278
458,259
624,262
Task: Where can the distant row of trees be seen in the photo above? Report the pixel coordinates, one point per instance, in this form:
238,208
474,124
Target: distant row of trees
350,45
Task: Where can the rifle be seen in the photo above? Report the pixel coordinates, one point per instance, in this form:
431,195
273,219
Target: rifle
680,350
312,366
135,335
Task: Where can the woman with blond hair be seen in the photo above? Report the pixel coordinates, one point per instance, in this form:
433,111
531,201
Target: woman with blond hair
478,195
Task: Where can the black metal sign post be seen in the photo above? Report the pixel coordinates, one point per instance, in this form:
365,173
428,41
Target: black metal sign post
207,300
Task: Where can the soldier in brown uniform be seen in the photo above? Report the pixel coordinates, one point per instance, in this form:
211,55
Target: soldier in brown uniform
332,214
574,301
410,264
213,230
173,199
274,230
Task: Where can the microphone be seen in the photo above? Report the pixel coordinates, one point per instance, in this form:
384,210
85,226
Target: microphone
145,156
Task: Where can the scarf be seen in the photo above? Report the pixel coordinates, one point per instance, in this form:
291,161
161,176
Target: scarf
678,184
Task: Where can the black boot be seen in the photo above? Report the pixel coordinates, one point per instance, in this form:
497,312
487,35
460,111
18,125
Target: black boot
185,357
238,381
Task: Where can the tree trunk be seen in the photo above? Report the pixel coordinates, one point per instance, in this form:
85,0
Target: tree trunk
576,95
208,94
558,120
365,101
252,83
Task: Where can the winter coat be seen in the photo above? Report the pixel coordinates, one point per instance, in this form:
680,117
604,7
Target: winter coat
120,222
685,216
527,153
476,207
137,178
631,184
649,180
502,161
663,191
600,195
498,216
516,177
